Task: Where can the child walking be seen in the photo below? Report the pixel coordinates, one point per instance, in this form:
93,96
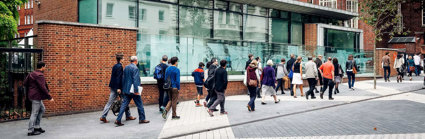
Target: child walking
198,76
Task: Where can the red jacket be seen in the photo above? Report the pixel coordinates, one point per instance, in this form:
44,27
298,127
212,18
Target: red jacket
37,86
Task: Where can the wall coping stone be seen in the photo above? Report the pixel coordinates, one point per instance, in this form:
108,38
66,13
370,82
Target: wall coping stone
84,24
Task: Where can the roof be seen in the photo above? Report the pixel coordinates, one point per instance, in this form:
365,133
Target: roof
402,40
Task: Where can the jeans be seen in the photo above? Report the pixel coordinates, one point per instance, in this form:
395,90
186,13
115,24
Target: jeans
161,100
291,87
351,78
326,83
220,100
387,72
111,100
36,114
213,97
312,86
137,100
166,98
252,96
174,96
280,83
417,70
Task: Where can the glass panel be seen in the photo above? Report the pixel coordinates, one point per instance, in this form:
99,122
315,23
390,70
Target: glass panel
113,12
197,3
255,10
227,25
154,23
236,7
87,10
255,28
195,22
296,29
279,30
222,5
340,39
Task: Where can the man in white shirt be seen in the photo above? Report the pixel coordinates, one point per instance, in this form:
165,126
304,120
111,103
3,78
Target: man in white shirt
417,60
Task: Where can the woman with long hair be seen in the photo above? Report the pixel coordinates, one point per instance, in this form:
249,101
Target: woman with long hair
410,66
350,66
338,74
252,83
398,65
297,80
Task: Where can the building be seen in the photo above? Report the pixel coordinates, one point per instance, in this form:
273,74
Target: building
26,18
81,37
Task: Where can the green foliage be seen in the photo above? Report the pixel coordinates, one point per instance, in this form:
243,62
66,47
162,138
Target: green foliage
9,18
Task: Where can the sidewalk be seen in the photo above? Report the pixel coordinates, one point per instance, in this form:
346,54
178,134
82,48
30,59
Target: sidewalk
343,117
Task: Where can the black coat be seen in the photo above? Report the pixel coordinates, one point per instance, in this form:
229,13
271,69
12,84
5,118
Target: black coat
220,79
289,64
116,76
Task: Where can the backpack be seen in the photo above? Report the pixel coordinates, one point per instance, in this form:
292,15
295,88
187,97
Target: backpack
158,73
167,83
116,106
210,81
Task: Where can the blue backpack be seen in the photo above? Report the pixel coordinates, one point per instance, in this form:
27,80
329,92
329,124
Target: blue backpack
158,73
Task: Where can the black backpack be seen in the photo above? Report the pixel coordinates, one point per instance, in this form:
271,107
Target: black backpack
210,81
167,83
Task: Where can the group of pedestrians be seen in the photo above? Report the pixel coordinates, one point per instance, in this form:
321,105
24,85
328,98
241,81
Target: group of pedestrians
413,64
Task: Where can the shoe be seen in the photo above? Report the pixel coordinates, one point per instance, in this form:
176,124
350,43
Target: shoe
34,133
175,117
317,91
104,120
130,118
331,98
313,97
162,108
321,95
258,96
143,121
39,130
306,97
278,100
389,80
225,112
198,105
263,103
410,78
295,96
215,109
334,92
210,112
164,114
205,104
249,107
118,123
283,92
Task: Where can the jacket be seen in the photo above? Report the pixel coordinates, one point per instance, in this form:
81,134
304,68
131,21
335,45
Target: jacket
116,77
251,74
318,63
398,63
281,71
289,64
268,77
311,70
37,86
198,76
209,82
350,64
220,80
247,63
174,73
130,78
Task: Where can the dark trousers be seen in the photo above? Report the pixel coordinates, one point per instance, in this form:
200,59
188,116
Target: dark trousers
220,100
417,70
280,83
162,93
258,92
213,97
312,85
326,83
137,100
291,87
174,95
252,97
387,72
208,95
351,78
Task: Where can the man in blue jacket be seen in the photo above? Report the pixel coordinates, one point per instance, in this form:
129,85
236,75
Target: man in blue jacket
173,73
219,87
130,90
115,86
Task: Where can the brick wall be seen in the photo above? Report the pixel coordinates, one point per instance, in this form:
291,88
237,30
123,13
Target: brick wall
379,54
60,10
310,37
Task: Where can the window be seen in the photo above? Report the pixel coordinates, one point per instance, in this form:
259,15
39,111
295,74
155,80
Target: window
142,15
87,11
131,12
29,19
19,21
161,16
32,19
109,8
25,6
25,21
328,3
352,5
29,4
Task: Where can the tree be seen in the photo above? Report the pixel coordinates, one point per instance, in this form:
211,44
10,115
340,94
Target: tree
9,17
385,17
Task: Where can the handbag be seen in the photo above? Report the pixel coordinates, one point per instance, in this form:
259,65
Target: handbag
116,106
411,69
291,74
252,83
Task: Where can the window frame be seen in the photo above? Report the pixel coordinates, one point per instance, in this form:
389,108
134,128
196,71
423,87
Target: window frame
130,12
111,12
161,15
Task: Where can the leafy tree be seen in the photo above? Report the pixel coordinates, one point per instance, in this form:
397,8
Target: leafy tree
385,17
9,17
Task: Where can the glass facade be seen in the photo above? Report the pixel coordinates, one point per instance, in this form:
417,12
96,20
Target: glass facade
198,30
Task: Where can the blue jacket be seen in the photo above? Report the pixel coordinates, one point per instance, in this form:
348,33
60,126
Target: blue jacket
198,76
174,74
131,77
116,77
268,77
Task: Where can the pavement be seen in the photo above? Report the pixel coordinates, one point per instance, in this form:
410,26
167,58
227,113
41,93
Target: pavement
393,110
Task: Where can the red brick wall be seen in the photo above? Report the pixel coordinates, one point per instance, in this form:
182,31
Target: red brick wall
59,10
310,38
79,61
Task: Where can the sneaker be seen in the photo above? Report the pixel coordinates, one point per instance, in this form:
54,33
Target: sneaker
215,109
249,107
331,98
34,133
198,105
263,103
175,117
205,104
162,109
210,112
225,112
278,100
164,114
39,130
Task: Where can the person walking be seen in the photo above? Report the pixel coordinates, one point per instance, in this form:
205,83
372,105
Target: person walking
220,88
259,71
289,68
198,76
338,74
417,60
312,77
206,75
327,70
398,66
280,73
172,75
115,86
250,58
38,91
350,67
131,83
268,80
319,63
159,74
411,66
252,84
210,83
297,76
386,66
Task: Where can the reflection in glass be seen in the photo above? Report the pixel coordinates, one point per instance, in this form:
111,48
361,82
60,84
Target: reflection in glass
227,25
255,28
195,22
157,18
110,13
